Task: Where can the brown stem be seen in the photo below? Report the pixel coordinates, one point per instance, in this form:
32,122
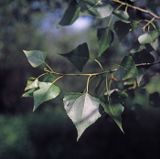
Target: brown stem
138,8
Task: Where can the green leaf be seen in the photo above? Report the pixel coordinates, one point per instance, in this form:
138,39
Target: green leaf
127,69
35,57
46,92
79,56
91,11
115,111
135,24
105,38
122,15
105,11
149,37
83,110
29,93
31,84
48,77
154,85
71,14
113,107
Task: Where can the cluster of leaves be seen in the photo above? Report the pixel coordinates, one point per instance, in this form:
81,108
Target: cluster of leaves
112,90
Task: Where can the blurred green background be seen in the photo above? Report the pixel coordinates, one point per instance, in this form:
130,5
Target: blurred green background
49,133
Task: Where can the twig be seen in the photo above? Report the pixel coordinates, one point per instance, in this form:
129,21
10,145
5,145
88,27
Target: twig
88,80
148,23
155,16
99,64
147,64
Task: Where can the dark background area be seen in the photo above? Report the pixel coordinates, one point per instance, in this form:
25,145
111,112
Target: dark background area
48,133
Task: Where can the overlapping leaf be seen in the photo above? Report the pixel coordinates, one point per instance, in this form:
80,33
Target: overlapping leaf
46,92
32,85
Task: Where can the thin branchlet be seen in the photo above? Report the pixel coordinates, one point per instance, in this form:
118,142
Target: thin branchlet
146,11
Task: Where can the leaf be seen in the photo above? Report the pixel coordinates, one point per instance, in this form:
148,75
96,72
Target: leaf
127,69
105,11
48,78
115,111
105,38
91,11
71,14
154,85
29,93
143,56
149,37
122,15
114,107
69,100
31,84
79,56
95,8
135,24
122,29
46,92
35,57
83,110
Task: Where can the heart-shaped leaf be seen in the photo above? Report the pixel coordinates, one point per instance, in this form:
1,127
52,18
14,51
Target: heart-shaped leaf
79,56
46,92
122,29
35,57
83,110
114,108
115,111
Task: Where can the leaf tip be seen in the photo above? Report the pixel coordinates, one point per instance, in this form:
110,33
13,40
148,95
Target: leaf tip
34,109
24,51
